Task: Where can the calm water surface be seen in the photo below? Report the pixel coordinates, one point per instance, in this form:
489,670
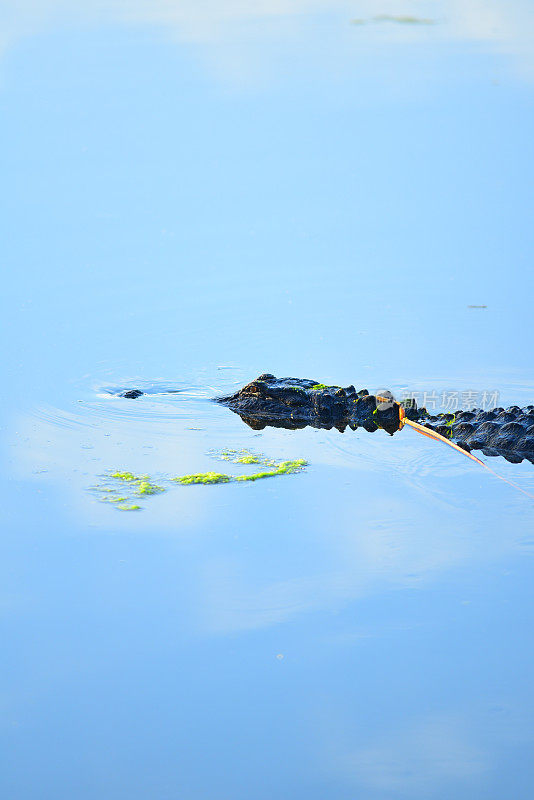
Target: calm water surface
193,195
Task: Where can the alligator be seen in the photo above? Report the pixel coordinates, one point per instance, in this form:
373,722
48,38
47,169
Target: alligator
295,403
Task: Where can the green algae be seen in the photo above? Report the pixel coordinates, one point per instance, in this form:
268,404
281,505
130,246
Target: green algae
318,387
244,457
122,488
234,456
296,465
127,476
203,477
256,476
121,503
283,468
142,483
145,487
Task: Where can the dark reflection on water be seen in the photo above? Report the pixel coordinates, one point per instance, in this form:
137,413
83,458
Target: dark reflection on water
195,194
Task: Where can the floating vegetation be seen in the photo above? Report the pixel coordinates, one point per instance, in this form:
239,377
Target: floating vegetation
244,457
400,19
122,489
145,487
141,484
283,468
203,477
248,460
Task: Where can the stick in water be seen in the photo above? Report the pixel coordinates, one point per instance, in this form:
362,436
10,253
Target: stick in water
438,437
403,420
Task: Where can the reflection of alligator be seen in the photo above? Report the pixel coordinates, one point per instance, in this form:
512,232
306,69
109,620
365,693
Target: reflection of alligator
295,403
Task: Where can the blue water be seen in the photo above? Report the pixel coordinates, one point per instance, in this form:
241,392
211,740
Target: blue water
196,194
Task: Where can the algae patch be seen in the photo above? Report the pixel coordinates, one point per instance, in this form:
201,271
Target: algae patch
203,477
319,387
244,457
141,484
122,489
145,487
125,476
283,468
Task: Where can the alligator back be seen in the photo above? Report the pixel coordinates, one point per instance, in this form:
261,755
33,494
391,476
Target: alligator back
296,402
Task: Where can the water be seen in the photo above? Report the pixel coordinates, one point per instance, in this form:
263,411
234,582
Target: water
193,195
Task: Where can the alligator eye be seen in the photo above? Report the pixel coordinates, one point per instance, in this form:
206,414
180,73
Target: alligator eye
254,388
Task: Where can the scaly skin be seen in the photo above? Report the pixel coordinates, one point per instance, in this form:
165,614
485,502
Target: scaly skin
295,403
